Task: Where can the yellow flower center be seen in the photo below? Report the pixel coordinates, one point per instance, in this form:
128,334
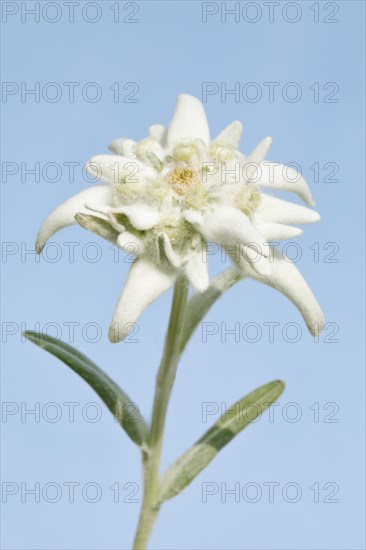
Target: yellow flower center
178,230
186,152
143,148
182,178
221,151
247,199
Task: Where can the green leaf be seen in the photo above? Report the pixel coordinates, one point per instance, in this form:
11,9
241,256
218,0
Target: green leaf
124,410
200,303
238,417
155,161
97,225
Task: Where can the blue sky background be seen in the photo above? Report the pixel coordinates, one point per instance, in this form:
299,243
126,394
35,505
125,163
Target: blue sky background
169,51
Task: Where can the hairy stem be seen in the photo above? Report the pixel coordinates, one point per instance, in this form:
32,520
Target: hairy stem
164,384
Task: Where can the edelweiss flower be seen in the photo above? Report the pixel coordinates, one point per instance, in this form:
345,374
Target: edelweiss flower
165,197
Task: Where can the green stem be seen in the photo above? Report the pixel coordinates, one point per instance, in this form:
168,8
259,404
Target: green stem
164,384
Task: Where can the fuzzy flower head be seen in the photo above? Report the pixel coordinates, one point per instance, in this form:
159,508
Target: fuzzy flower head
168,195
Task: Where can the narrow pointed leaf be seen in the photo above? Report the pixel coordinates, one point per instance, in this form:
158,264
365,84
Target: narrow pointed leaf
117,401
238,417
200,303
